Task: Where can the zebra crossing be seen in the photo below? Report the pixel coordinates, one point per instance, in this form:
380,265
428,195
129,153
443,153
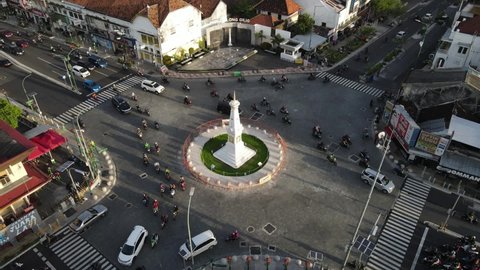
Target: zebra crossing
352,84
397,232
103,96
77,253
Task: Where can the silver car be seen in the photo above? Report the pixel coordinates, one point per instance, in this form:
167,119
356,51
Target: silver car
86,218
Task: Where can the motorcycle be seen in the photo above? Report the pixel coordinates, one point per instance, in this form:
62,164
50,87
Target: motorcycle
284,79
311,77
214,93
364,155
326,79
209,82
186,87
187,101
321,146
157,148
332,159
470,218
317,132
144,124
139,133
183,185
241,79
363,163
279,86
284,110
172,191
264,102
146,111
167,174
233,236
133,97
165,80
286,120
344,143
156,125
156,165
270,111
145,200
154,240
162,189
145,160
262,79
139,73
254,107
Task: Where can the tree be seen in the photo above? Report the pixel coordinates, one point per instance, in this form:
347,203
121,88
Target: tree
260,35
304,24
388,7
9,113
242,9
277,39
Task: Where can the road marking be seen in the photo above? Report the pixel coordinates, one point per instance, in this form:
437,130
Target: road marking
106,75
39,58
52,64
111,69
419,250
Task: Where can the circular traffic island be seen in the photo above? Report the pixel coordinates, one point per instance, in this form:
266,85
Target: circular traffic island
252,165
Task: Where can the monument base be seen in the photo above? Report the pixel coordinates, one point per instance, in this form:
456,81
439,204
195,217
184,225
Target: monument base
234,156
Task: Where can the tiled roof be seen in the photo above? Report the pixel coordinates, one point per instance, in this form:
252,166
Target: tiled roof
205,6
283,7
263,19
470,26
127,9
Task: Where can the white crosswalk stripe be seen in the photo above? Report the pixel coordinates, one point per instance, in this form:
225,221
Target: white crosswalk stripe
76,252
352,84
103,96
397,232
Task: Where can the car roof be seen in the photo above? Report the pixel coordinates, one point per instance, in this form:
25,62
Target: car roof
147,81
85,215
208,234
134,235
88,81
401,32
77,66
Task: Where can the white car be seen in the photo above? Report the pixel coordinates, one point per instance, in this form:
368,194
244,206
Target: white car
152,86
200,243
80,71
400,34
133,245
383,183
87,217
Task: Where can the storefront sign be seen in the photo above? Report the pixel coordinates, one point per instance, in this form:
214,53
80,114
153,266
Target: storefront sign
458,173
19,226
431,143
242,20
405,127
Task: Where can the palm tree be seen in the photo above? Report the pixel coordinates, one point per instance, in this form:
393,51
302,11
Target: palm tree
260,35
277,39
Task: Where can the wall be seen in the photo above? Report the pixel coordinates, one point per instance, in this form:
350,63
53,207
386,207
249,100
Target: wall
454,59
184,35
323,12
218,16
16,172
142,25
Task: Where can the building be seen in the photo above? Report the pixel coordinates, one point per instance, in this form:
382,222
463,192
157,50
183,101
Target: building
34,11
460,45
334,15
279,13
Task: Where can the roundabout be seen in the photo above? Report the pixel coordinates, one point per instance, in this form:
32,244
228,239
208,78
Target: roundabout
224,153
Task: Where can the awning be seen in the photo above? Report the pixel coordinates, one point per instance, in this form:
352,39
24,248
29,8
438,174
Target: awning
465,131
460,165
36,181
46,142
310,41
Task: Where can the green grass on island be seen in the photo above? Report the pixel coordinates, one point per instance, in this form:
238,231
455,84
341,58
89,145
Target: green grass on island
249,167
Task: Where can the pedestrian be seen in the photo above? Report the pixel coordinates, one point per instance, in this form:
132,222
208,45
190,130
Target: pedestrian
145,200
155,207
175,212
94,96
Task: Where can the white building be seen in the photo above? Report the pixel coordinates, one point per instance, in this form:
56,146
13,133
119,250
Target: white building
460,46
334,15
279,11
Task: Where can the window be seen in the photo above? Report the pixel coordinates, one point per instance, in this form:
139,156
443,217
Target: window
107,26
462,50
190,23
203,244
80,17
324,24
4,180
172,31
70,14
144,39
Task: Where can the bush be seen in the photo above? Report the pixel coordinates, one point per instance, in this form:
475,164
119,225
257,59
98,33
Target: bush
376,68
191,51
389,57
266,46
201,44
333,55
367,31
167,60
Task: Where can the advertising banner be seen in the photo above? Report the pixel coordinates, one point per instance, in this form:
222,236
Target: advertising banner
431,143
405,127
19,226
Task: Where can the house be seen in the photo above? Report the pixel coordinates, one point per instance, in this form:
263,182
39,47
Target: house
285,11
334,15
460,45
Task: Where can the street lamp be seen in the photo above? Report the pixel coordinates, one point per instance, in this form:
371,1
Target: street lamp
66,62
23,85
385,146
73,182
190,195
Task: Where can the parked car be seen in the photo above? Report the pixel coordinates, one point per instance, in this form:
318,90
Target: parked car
133,245
97,61
5,63
441,18
152,86
87,65
80,71
200,243
13,49
87,217
22,43
400,34
121,105
382,183
6,34
76,55
91,86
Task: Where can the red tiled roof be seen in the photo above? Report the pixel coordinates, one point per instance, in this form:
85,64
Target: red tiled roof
205,6
36,181
263,19
12,143
283,7
470,26
127,9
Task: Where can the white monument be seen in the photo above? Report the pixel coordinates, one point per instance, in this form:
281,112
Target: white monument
234,152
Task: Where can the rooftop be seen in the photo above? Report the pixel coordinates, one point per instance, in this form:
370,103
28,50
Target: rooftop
12,143
207,7
264,19
469,26
283,7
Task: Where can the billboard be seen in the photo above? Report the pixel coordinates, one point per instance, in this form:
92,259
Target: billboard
405,127
431,143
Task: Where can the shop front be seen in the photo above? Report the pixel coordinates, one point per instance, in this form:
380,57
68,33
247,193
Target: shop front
461,166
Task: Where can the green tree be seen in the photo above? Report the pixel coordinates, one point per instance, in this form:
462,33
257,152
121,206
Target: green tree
9,113
242,9
388,7
260,35
304,24
277,39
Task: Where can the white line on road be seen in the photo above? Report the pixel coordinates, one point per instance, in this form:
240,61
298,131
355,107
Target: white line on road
50,265
112,70
419,249
101,73
39,58
50,63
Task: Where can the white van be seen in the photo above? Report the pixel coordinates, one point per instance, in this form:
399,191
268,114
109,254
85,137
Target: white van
200,243
383,183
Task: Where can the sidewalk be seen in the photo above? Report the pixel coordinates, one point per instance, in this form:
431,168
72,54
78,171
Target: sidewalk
68,209
263,262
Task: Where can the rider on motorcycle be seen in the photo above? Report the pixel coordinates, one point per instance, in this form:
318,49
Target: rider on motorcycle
186,101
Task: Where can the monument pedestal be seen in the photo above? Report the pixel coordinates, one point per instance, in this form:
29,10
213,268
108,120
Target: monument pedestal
234,155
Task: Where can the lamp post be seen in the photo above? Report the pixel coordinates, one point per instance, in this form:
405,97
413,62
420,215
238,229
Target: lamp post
84,150
385,146
190,195
73,183
23,85
68,67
